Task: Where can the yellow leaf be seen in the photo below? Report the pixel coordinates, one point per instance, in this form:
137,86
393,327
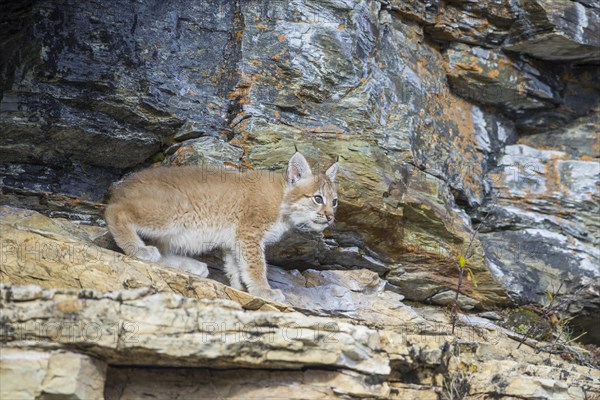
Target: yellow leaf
461,261
471,277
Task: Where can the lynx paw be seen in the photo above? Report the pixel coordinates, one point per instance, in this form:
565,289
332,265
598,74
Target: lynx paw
195,267
271,294
148,253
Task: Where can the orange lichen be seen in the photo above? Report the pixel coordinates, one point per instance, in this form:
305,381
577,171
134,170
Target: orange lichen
245,159
232,165
281,38
553,179
493,73
327,128
469,67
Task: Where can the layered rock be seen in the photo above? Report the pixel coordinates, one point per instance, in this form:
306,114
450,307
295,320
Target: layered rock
103,86
479,23
537,96
343,334
55,253
39,374
557,30
532,249
491,77
227,351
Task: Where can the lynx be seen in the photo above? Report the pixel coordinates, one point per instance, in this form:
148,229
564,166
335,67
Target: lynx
185,211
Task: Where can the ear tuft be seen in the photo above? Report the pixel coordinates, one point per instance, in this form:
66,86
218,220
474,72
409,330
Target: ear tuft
332,171
298,169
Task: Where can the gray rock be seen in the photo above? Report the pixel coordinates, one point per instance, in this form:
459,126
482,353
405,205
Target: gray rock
556,30
536,95
358,294
530,245
447,297
490,77
350,82
478,23
108,84
490,315
195,129
579,139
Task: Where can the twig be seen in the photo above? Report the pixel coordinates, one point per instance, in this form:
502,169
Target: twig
461,270
472,238
454,311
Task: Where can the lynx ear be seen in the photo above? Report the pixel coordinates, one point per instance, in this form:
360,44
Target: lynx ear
298,169
332,171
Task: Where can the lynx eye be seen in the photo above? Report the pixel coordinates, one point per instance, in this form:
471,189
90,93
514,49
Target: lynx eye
334,202
318,199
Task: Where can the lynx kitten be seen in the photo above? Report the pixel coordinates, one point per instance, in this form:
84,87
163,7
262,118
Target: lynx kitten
183,211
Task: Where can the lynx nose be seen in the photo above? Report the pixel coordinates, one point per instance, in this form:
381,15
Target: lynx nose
329,218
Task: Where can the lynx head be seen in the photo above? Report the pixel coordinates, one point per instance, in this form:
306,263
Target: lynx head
311,199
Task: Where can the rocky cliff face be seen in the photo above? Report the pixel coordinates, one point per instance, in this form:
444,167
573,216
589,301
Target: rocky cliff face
447,116
121,328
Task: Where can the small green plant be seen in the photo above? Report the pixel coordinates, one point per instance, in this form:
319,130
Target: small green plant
522,329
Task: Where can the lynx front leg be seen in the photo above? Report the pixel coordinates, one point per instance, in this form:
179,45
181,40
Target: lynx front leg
253,270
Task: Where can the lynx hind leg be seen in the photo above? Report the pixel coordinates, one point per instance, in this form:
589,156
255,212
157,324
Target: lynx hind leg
232,270
182,263
186,264
122,230
253,271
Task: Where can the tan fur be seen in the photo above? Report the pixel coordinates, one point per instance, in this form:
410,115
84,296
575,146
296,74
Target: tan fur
185,211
